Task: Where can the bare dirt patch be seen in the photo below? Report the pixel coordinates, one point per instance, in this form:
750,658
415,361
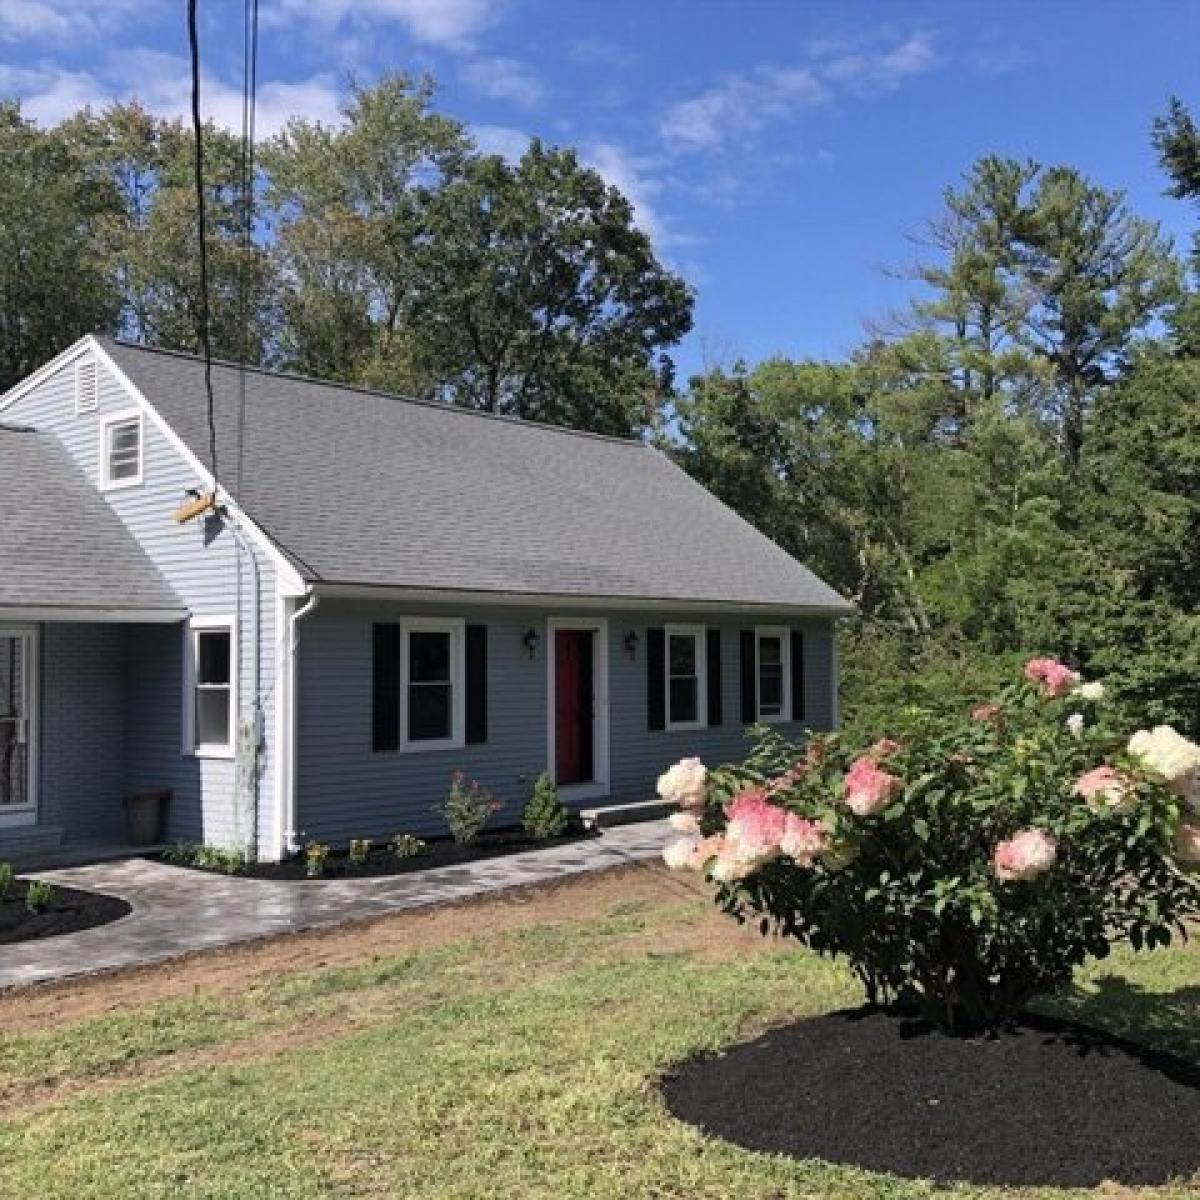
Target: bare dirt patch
234,969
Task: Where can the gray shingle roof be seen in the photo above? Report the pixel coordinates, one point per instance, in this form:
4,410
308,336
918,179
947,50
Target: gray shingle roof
363,488
61,546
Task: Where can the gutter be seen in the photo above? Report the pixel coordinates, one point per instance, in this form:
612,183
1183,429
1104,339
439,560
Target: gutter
287,843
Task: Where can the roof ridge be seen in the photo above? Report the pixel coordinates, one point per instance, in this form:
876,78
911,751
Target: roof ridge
457,410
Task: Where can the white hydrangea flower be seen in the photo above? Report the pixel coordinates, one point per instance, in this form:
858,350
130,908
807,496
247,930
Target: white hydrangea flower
1168,753
1089,691
684,783
1075,725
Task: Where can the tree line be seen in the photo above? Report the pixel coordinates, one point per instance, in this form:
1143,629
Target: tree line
1011,464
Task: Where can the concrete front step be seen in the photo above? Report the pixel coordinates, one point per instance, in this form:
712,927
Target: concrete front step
608,815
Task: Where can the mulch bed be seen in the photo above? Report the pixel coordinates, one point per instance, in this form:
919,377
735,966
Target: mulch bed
1049,1103
68,912
440,852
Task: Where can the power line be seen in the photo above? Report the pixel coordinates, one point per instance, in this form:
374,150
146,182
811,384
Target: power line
198,160
249,95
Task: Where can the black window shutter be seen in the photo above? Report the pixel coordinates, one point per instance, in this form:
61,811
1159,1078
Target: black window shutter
749,678
476,684
712,664
797,675
385,691
656,679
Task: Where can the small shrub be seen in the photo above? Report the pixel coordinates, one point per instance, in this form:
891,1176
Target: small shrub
205,858
359,852
468,807
316,854
6,879
39,895
404,845
972,864
545,816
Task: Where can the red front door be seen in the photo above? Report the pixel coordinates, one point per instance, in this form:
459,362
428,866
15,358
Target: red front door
573,705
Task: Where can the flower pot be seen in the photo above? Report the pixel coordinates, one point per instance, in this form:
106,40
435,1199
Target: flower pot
143,817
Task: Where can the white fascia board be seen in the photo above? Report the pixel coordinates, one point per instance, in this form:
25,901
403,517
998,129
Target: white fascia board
107,616
44,372
288,579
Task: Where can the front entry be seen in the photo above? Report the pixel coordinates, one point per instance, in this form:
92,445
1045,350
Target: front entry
17,726
574,706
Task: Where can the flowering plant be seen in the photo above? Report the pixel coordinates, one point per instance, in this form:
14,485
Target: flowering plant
468,807
968,866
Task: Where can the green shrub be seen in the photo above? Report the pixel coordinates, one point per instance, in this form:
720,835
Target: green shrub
359,852
545,815
404,845
39,895
468,806
975,863
6,879
205,858
316,854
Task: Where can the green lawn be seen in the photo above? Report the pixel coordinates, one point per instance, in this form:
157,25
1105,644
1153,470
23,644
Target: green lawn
516,1059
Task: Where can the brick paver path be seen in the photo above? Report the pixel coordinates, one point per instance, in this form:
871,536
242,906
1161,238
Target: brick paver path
177,910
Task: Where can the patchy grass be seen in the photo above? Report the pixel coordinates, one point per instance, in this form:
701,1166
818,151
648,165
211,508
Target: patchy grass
512,1055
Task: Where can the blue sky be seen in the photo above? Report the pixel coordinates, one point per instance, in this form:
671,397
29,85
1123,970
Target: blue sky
779,153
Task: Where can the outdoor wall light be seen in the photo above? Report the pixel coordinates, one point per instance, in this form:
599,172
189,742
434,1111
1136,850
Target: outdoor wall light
631,643
531,639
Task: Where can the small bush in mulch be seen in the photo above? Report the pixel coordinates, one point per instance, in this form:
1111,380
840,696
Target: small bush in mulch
383,859
65,911
1041,1103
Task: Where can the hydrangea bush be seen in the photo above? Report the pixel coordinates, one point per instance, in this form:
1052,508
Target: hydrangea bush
968,866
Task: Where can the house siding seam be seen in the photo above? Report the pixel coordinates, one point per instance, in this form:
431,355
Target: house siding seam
346,790
200,561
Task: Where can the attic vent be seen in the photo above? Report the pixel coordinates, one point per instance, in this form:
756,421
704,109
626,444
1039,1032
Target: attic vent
87,388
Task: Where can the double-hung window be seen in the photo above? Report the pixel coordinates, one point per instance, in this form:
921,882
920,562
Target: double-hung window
121,451
687,702
432,684
212,707
774,673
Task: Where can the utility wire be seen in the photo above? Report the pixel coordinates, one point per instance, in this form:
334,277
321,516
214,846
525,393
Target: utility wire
198,158
249,96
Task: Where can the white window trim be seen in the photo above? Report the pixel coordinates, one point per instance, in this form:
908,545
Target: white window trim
785,660
195,626
27,814
120,418
456,628
700,634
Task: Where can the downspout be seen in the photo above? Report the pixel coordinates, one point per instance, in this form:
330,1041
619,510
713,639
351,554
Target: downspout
249,759
288,844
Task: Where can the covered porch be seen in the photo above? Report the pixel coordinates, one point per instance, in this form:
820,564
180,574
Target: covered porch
90,634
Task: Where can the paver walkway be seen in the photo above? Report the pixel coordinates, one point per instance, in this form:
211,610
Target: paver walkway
177,910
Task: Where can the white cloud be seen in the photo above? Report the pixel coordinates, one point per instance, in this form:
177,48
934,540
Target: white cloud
743,105
504,79
635,178
161,83
55,19
503,140
448,23
883,69
740,106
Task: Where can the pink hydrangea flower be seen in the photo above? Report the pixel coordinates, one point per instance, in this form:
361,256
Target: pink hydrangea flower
1104,788
803,840
1054,678
1025,856
884,748
685,783
1187,842
754,823
868,789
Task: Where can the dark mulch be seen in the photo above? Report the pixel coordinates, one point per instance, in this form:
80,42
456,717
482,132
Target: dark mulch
439,852
1049,1103
68,912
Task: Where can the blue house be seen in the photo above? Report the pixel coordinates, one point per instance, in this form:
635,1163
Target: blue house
301,617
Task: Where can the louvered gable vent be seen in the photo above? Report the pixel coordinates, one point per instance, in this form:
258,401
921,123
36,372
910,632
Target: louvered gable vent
87,388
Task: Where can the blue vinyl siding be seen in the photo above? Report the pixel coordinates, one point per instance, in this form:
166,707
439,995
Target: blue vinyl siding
201,564
346,790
